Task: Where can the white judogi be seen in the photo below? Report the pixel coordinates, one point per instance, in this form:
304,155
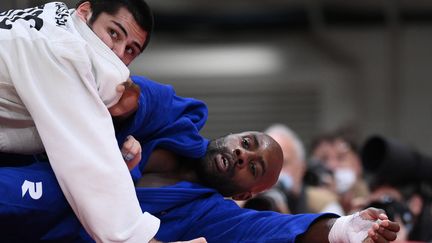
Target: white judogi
57,75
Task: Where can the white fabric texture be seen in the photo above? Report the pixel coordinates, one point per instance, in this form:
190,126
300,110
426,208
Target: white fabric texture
57,76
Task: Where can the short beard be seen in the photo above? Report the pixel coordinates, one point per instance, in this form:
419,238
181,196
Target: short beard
205,167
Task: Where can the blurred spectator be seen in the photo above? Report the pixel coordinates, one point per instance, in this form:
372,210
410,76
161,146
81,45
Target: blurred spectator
320,176
300,198
403,175
338,153
270,200
391,200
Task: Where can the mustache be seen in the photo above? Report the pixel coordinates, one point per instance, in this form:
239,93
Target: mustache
215,146
218,147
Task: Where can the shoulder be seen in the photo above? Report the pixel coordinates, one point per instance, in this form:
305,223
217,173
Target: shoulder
318,198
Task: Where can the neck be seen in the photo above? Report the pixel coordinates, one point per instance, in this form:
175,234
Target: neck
164,168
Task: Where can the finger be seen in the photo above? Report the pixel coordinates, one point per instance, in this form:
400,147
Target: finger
127,148
131,87
387,234
133,162
128,143
135,151
371,213
375,239
390,225
136,148
383,216
128,156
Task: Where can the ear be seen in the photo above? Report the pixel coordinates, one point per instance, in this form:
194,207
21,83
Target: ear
242,196
84,11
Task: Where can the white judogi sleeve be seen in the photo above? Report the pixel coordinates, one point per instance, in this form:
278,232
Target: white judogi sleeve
65,78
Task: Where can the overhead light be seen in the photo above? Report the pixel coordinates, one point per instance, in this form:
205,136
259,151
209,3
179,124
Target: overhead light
214,61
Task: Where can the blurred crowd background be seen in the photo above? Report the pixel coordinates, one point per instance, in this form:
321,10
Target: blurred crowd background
343,86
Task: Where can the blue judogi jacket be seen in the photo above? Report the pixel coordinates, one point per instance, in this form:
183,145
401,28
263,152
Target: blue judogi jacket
186,211
33,208
165,120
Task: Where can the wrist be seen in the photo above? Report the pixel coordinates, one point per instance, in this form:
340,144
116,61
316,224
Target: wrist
349,229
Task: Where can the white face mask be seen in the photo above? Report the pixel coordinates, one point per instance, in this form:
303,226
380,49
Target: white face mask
286,181
344,179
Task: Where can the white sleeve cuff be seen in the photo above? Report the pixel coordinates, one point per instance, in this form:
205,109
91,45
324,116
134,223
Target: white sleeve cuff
151,226
145,229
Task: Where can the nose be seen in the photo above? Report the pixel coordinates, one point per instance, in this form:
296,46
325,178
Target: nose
243,157
119,50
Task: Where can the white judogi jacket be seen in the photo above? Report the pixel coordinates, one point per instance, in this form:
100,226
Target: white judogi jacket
57,75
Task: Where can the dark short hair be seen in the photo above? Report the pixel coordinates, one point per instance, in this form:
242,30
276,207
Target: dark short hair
332,137
139,9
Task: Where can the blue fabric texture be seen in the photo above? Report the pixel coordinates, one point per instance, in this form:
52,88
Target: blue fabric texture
33,208
166,120
186,211
163,119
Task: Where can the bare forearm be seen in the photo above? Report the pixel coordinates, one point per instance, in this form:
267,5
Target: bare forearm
369,225
318,232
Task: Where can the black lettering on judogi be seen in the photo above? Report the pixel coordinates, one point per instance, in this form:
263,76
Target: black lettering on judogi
30,15
62,13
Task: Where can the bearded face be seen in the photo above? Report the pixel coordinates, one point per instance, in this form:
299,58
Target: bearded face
241,163
216,171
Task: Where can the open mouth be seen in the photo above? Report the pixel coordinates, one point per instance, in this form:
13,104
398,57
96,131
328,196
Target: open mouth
222,162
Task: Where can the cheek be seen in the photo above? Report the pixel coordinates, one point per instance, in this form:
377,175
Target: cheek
243,180
127,60
108,41
105,38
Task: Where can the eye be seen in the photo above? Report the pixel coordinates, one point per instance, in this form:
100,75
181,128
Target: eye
113,33
246,143
253,168
130,51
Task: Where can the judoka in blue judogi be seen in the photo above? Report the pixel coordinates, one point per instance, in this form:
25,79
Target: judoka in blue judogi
205,172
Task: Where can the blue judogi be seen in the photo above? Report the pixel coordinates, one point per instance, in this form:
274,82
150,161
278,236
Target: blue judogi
163,119
189,210
186,211
166,120
33,208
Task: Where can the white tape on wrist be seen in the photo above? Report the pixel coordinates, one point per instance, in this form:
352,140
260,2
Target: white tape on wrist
350,229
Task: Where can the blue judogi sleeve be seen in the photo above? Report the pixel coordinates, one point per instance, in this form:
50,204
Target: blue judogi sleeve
32,213
188,211
166,120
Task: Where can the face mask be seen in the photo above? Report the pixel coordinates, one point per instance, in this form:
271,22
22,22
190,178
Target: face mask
344,179
286,181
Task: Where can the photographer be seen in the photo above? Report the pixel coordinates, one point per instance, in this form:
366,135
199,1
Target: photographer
400,184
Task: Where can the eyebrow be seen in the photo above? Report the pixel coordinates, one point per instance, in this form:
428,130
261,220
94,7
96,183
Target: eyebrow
261,161
255,139
264,169
121,27
137,45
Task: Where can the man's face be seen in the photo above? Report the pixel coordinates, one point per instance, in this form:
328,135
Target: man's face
337,154
121,33
241,164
